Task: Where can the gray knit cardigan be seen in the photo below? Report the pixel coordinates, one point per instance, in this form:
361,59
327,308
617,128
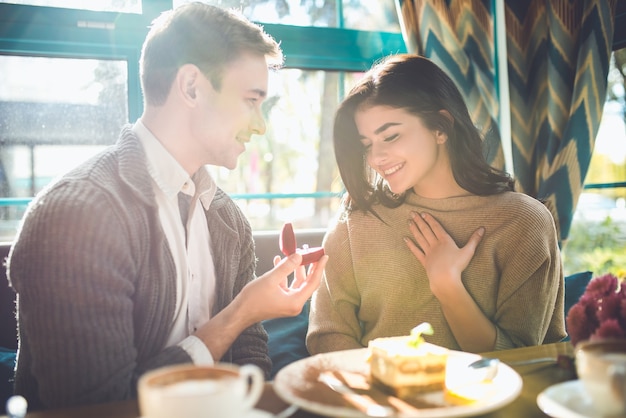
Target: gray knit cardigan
95,281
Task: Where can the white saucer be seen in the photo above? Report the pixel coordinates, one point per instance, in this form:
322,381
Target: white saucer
566,400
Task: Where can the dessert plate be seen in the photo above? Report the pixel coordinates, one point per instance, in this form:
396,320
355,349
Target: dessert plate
298,383
566,400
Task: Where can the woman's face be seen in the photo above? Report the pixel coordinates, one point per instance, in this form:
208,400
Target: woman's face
403,150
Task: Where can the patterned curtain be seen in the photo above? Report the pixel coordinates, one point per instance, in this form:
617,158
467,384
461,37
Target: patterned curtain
458,36
558,55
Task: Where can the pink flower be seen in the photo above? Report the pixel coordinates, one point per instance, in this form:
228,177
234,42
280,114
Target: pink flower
609,329
602,285
578,324
600,312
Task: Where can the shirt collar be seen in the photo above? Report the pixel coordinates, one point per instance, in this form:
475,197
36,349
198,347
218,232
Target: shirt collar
169,175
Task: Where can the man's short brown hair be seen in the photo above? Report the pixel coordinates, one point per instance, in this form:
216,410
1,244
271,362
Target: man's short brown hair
206,36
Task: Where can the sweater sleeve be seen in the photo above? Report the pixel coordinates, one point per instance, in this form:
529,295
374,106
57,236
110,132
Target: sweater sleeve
74,270
530,297
333,321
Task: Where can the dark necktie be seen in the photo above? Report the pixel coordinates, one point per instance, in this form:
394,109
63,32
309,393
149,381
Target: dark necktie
184,201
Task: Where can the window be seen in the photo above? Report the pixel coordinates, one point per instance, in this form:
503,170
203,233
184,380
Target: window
54,113
82,61
373,15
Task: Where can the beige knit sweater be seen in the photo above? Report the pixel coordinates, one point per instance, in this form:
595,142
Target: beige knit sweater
374,287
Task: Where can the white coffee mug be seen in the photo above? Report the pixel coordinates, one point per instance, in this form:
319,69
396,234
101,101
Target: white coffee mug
218,391
601,367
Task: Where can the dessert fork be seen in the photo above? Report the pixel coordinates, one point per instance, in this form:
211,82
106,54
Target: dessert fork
365,404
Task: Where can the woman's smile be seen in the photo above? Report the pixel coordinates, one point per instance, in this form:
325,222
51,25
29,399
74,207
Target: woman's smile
392,170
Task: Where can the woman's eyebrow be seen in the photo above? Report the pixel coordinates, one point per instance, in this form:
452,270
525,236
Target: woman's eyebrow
385,127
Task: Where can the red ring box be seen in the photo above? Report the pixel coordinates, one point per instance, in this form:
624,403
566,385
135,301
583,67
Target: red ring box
287,243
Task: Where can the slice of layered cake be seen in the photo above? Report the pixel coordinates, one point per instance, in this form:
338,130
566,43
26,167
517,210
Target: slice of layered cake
408,365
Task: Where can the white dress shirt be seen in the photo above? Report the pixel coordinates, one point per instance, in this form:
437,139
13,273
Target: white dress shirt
191,250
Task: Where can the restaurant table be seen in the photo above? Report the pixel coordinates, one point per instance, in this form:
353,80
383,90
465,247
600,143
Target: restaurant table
536,378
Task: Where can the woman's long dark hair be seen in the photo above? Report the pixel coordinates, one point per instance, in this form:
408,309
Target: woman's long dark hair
420,87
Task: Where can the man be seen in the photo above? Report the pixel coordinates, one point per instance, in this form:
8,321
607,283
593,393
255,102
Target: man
110,281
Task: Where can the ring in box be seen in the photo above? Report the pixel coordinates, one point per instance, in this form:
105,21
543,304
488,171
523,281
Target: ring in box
288,246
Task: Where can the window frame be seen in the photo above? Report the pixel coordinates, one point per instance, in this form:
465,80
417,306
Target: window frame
72,33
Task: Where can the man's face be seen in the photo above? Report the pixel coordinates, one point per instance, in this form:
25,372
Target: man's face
225,120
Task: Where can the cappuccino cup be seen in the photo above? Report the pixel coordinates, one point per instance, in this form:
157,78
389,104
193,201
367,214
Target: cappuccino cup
601,367
190,391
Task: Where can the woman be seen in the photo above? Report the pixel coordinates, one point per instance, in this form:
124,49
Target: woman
429,232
